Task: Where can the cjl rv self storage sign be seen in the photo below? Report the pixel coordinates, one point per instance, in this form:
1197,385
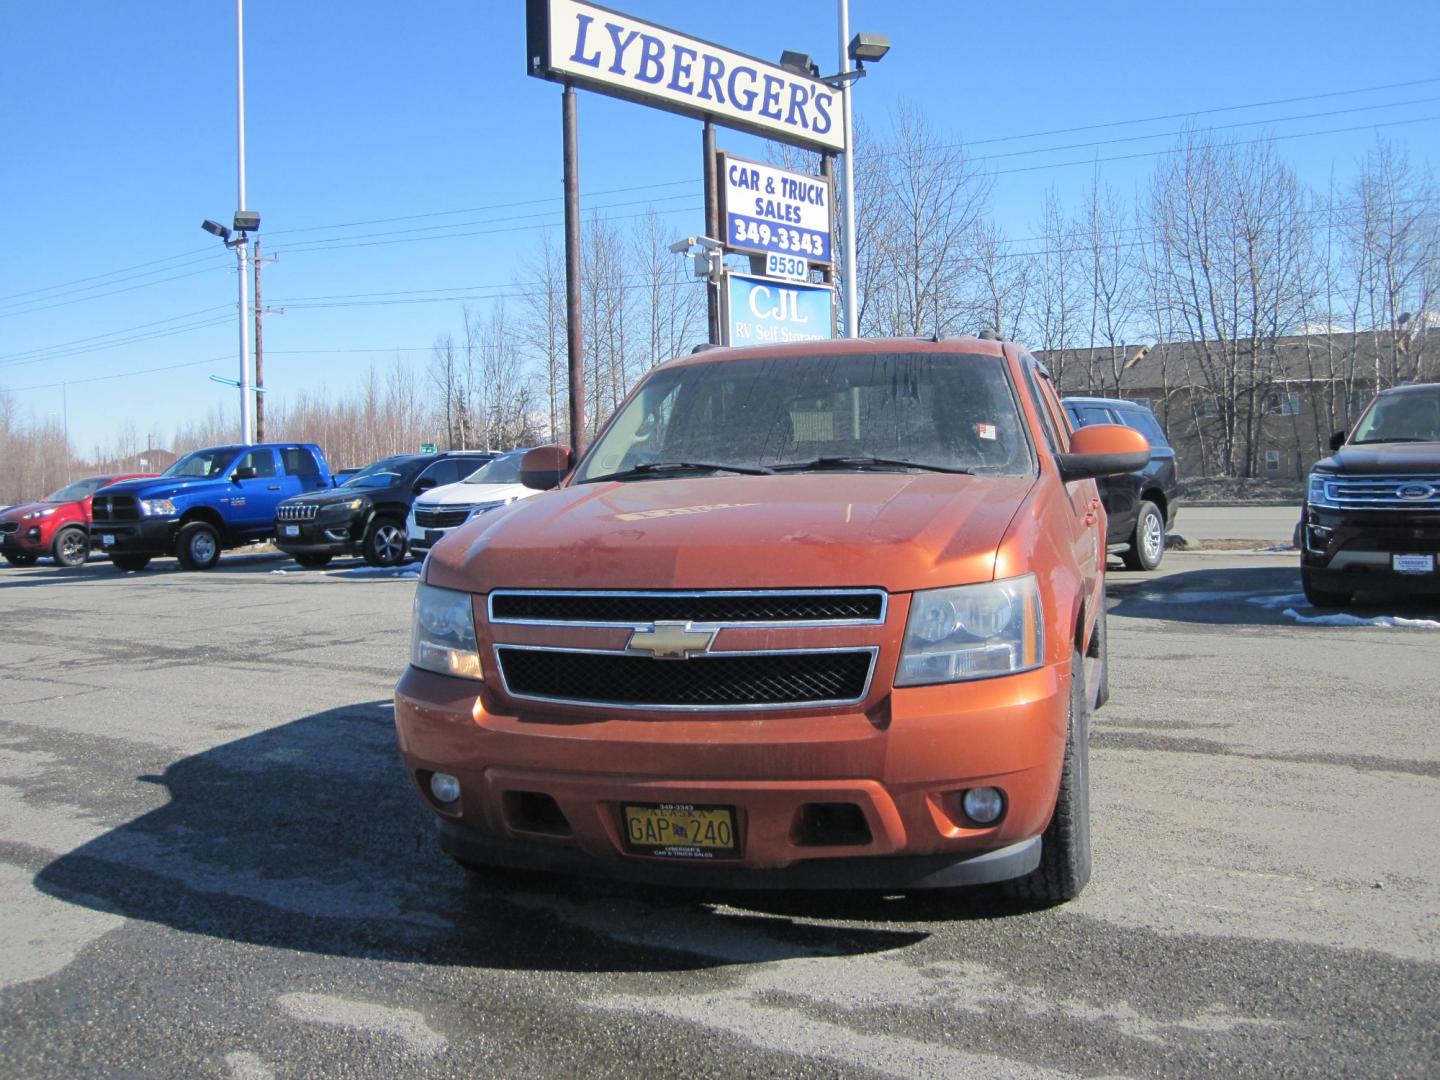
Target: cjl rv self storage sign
761,311
617,54
769,209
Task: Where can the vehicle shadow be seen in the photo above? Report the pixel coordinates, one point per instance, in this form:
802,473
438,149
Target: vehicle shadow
307,837
100,570
1249,596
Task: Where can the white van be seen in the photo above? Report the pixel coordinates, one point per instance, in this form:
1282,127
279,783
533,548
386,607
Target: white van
442,509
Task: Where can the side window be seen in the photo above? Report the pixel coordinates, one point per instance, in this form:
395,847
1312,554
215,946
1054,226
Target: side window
445,471
299,462
262,461
1085,415
1047,421
1146,424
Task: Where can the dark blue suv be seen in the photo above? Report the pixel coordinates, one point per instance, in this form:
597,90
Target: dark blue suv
1140,505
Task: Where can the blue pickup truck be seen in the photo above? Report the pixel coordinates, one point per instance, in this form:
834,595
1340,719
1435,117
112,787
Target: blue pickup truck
208,501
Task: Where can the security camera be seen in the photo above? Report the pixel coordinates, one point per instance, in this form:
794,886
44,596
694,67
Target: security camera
679,247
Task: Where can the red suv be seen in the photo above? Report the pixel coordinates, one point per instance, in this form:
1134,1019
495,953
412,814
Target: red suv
57,525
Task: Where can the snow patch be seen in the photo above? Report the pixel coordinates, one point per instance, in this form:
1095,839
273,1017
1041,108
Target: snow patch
1388,622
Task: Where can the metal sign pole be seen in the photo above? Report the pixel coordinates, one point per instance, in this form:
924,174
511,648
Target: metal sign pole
574,329
712,227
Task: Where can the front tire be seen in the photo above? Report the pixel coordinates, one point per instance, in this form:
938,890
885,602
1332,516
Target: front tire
1147,544
71,546
1065,846
384,543
1318,597
130,563
20,558
1099,655
198,546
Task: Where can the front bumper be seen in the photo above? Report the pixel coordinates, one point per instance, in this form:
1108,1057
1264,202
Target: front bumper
339,537
1344,551
147,536
902,766
27,540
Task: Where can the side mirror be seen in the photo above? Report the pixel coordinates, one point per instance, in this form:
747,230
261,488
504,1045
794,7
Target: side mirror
1103,450
425,483
544,467
1337,440
243,474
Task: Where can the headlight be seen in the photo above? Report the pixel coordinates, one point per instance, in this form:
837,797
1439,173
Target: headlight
157,508
972,632
343,508
481,508
33,514
1319,493
443,636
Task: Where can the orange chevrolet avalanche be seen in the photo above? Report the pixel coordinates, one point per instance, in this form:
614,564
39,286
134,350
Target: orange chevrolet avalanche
826,615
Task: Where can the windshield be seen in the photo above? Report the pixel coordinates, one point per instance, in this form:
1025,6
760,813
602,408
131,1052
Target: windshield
937,410
204,463
81,489
1411,416
382,473
505,469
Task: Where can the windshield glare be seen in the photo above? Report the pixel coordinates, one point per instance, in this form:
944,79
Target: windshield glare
81,489
377,474
503,470
203,463
1412,416
942,409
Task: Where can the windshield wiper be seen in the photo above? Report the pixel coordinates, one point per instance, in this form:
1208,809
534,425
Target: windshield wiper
866,462
660,468
1394,438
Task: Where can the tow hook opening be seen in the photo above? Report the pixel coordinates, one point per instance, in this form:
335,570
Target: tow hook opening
832,825
535,812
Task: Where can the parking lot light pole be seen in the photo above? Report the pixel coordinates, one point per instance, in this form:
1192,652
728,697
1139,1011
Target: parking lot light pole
859,49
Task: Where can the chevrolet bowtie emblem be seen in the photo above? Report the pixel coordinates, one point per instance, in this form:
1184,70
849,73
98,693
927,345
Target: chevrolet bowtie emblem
670,640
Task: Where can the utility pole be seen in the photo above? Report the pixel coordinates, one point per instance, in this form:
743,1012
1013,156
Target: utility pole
247,397
259,352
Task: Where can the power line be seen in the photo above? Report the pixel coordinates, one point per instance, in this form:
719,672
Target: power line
155,336
120,375
96,277
1203,112
112,292
113,333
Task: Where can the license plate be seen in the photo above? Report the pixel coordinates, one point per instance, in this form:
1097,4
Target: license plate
292,530
680,830
107,540
1412,564
434,536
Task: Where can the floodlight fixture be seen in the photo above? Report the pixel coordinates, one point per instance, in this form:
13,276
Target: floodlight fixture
799,63
247,221
215,229
869,47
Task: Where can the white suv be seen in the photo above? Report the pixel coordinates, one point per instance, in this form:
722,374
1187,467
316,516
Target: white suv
443,509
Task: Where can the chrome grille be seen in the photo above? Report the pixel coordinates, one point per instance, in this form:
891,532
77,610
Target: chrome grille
1383,492
8,527
713,681
296,511
441,517
114,508
769,607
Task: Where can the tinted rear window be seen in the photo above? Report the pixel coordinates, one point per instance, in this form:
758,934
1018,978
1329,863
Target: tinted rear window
1145,424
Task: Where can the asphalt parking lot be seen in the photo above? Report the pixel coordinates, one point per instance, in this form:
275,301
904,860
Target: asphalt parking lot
211,865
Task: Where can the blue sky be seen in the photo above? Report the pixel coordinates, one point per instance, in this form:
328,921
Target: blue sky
117,137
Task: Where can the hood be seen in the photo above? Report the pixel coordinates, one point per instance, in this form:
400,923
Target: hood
899,531
165,487
463,494
1398,457
15,513
329,496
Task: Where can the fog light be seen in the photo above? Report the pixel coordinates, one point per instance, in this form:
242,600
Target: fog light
444,787
983,805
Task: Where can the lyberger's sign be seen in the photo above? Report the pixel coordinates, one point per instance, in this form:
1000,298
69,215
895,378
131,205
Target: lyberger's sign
591,46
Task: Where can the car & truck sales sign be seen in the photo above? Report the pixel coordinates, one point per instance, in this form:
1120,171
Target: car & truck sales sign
569,41
768,209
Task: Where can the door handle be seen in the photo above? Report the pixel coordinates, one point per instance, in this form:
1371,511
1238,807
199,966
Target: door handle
272,487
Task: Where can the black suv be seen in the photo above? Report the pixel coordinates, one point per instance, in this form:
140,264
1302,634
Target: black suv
366,514
1140,506
1371,521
